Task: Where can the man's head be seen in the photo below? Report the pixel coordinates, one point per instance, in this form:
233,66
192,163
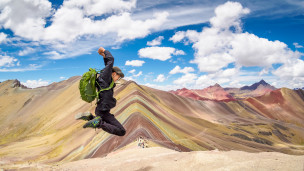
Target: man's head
117,74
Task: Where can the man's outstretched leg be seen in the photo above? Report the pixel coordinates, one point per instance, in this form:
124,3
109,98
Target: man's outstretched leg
107,122
84,116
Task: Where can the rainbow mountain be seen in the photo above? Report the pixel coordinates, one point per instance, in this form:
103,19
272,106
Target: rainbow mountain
38,125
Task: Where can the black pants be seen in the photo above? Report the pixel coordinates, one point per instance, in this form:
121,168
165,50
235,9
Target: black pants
109,123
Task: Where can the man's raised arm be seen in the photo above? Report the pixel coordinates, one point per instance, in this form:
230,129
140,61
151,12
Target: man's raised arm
109,62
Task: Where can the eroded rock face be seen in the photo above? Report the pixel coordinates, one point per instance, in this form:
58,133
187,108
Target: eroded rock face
17,83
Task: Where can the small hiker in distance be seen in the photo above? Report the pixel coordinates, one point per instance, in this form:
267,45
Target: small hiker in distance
105,100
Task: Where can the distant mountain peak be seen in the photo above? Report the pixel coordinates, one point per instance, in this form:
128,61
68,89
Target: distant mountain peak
182,89
256,85
216,85
263,82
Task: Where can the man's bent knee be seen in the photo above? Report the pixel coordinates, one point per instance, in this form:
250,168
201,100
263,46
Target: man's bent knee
122,132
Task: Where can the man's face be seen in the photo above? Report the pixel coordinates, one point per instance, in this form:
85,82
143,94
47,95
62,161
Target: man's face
115,76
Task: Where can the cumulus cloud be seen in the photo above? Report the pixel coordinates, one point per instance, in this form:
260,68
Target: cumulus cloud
132,71
186,80
159,53
157,41
35,83
26,51
3,37
160,78
26,18
135,63
76,21
8,61
204,81
70,23
228,15
179,36
178,69
297,45
226,76
250,50
224,43
291,69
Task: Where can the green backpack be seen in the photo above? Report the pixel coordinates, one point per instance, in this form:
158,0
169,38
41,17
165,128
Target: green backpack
87,86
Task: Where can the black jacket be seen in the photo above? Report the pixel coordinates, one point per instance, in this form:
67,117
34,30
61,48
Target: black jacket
106,100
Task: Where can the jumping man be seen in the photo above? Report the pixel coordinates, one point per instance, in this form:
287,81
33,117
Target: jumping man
104,119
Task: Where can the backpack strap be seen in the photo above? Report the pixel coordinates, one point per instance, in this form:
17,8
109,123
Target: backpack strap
104,89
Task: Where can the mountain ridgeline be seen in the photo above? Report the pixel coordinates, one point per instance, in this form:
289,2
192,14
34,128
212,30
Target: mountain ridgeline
217,93
38,124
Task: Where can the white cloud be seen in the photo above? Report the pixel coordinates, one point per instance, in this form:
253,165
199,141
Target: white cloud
250,50
130,78
133,75
291,69
131,29
26,18
296,82
71,23
3,37
75,22
30,67
159,53
137,75
186,80
165,87
264,71
26,51
156,42
177,69
54,55
135,63
224,42
62,78
179,36
297,45
179,52
228,15
227,73
132,71
97,8
160,78
7,61
204,81
221,77
35,83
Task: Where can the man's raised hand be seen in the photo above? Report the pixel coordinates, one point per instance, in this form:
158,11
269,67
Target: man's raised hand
101,51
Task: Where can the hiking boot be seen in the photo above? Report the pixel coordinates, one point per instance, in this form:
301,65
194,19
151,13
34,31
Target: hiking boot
94,123
87,116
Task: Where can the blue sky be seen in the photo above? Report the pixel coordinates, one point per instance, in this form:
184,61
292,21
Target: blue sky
162,44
